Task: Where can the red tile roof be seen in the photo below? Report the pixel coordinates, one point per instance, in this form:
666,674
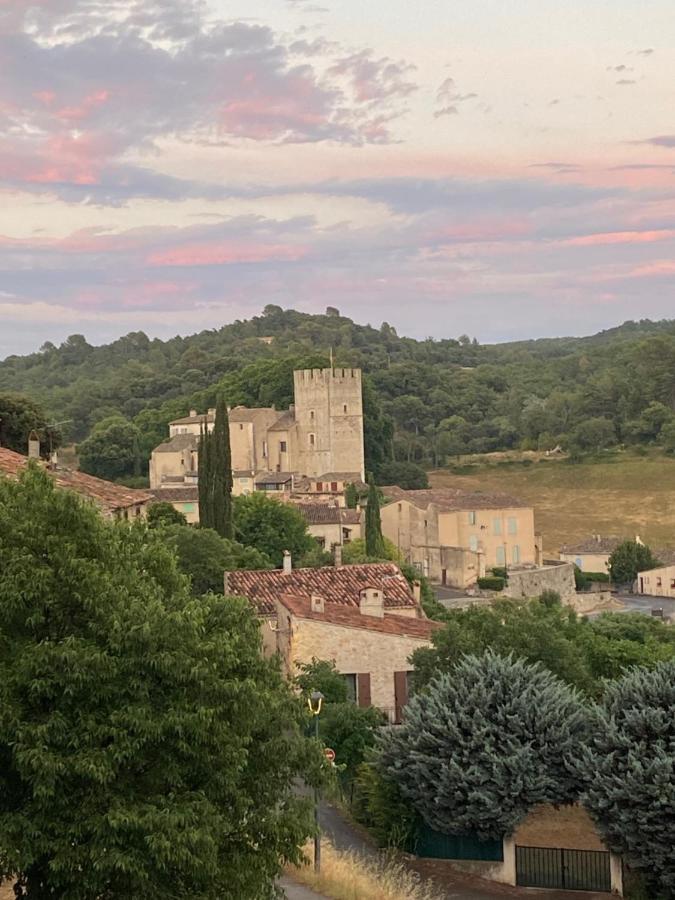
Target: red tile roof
341,585
110,497
452,499
351,617
327,514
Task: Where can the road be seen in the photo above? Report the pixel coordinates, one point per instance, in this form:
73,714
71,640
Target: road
298,891
642,604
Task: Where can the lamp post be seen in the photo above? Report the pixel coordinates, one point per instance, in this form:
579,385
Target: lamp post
314,701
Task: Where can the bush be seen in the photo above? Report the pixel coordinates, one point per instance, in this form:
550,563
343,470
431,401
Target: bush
581,579
406,475
500,572
600,577
377,804
491,583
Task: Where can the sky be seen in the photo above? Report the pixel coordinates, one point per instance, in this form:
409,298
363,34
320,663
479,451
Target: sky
500,168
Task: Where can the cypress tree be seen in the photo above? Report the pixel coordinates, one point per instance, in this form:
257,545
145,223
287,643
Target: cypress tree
374,539
215,475
222,472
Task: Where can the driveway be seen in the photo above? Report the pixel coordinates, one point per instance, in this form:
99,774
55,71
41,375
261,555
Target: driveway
298,891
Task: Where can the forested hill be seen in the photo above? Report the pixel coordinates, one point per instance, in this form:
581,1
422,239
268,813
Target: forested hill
426,400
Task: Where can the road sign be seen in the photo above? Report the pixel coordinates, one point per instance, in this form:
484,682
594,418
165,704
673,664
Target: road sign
329,754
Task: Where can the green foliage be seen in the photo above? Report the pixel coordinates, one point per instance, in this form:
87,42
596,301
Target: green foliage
432,608
19,416
629,769
550,599
148,749
491,583
164,513
111,451
321,675
215,475
406,475
500,572
204,556
351,496
628,559
374,539
591,435
599,577
377,804
484,744
581,652
355,552
271,527
315,557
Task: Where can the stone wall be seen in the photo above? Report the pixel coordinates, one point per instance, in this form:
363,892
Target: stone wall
532,582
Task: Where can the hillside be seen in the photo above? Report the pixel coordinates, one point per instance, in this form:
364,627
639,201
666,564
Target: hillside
426,401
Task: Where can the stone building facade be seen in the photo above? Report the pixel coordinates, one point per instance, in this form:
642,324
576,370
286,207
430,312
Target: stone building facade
321,435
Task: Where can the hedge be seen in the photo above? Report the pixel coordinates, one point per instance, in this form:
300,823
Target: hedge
491,583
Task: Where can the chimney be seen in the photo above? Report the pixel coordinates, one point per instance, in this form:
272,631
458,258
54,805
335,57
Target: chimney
33,445
317,603
212,411
371,602
337,555
417,591
193,413
288,561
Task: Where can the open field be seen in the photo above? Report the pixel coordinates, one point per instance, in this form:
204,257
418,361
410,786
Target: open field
623,494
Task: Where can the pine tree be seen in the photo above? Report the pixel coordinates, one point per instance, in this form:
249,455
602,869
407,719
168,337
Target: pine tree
485,743
205,507
629,769
374,539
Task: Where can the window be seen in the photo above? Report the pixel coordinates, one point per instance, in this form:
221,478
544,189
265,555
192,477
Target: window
264,448
501,556
319,485
344,408
658,581
241,427
496,526
312,439
513,525
333,486
282,446
472,518
243,481
188,507
350,681
311,415
473,543
672,582
515,554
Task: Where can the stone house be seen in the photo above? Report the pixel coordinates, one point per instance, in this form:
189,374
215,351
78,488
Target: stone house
591,554
657,582
115,501
454,537
330,486
331,525
364,618
322,432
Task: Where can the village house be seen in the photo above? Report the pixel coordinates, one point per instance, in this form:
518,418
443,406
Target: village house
322,432
659,582
113,500
592,554
454,537
366,619
330,486
331,525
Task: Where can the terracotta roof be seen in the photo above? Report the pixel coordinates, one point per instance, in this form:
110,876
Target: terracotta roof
107,495
593,544
452,499
326,514
340,585
339,476
177,443
273,478
179,494
351,617
285,421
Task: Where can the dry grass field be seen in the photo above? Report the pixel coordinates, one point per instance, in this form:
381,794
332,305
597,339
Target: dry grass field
624,494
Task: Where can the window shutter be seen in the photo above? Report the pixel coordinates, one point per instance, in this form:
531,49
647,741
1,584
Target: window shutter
400,692
364,688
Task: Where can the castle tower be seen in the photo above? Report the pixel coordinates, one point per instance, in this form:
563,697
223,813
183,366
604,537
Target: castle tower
329,420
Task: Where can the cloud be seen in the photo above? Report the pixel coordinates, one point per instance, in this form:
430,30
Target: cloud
373,80
620,68
448,98
647,52
661,140
626,81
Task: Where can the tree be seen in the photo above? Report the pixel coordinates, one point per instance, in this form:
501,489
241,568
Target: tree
164,513
592,435
19,416
483,745
204,556
628,559
355,553
147,748
374,539
271,527
406,475
111,450
668,438
629,770
215,474
351,496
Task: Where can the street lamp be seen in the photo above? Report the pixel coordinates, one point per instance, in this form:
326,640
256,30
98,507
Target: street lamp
315,701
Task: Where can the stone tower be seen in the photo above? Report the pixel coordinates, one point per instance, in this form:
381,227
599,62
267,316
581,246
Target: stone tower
329,420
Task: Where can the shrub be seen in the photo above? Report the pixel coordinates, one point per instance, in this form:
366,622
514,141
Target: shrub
600,577
500,572
491,583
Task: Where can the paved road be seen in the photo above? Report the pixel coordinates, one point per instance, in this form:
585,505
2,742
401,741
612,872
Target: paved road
298,891
639,603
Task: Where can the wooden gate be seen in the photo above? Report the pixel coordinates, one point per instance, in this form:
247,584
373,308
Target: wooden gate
556,867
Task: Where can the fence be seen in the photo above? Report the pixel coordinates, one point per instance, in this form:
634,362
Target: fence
435,845
572,870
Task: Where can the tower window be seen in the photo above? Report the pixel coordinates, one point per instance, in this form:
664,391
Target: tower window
311,415
344,408
282,446
312,440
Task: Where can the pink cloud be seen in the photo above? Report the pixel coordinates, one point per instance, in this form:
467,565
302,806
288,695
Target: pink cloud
225,253
88,104
620,237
